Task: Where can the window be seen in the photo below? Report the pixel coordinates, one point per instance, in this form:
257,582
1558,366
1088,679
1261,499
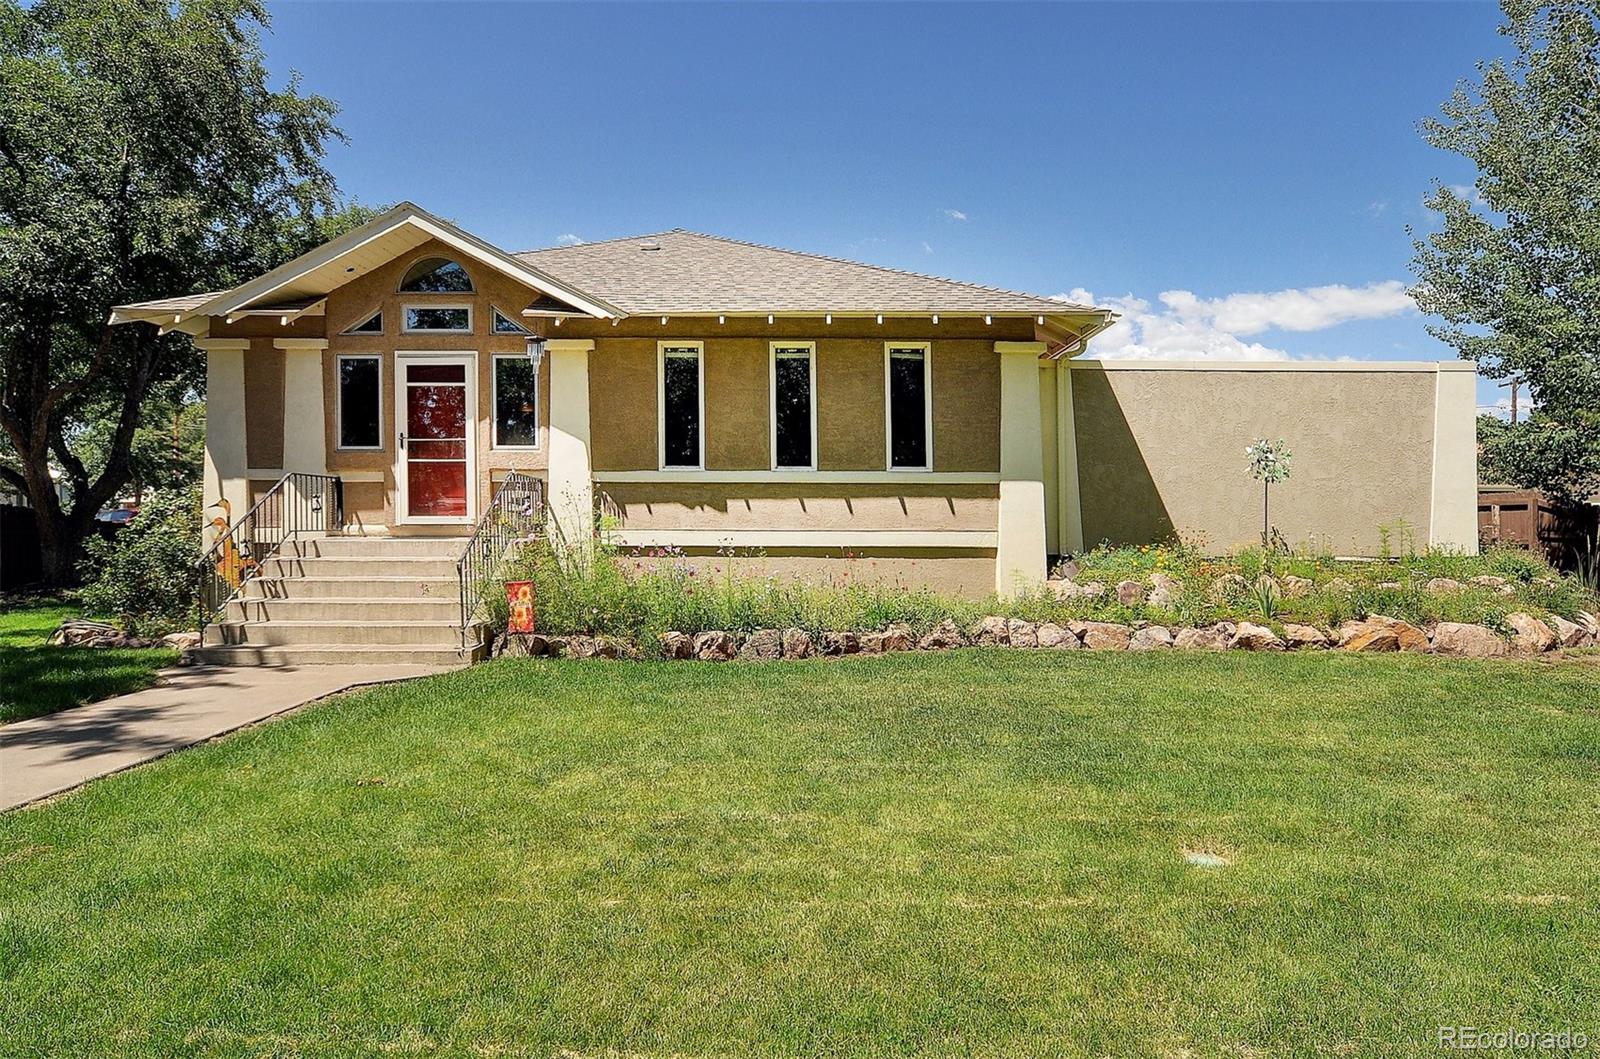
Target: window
504,325
370,325
908,416
682,404
516,403
436,275
794,405
360,402
457,318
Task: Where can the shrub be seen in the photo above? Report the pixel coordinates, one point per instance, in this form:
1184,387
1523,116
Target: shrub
144,575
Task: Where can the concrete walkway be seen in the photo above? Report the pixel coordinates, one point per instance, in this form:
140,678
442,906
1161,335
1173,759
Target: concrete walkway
48,755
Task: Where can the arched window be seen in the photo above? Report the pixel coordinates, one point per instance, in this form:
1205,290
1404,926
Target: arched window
436,275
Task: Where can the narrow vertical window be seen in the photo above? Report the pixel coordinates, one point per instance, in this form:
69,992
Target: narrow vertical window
516,403
680,405
908,418
360,403
793,406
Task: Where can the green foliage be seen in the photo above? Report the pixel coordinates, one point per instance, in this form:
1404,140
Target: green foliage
1264,593
1268,460
36,679
146,570
1511,272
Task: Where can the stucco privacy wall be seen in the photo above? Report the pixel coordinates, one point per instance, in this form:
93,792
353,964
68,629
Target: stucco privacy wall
1161,451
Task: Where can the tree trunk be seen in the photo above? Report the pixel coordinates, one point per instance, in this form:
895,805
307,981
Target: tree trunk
61,539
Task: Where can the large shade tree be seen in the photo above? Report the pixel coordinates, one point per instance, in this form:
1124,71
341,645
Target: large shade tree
143,153
1513,271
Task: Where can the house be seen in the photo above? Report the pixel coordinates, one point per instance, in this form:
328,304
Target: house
803,414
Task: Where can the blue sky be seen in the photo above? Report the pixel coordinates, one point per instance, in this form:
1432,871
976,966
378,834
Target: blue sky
1236,177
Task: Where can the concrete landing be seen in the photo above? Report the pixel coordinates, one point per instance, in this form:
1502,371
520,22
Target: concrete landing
47,755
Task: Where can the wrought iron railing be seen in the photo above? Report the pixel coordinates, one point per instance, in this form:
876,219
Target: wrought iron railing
515,514
299,505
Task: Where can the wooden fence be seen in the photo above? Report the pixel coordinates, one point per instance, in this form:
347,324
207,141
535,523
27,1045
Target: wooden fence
1528,518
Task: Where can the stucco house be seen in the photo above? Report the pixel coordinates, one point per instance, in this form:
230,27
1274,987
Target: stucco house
802,414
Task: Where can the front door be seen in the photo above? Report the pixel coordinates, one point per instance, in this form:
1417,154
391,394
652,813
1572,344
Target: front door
437,414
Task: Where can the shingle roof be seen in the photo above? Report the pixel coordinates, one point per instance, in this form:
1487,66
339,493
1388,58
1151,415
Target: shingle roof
689,273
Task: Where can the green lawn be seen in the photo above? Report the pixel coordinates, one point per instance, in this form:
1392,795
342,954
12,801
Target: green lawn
36,679
978,853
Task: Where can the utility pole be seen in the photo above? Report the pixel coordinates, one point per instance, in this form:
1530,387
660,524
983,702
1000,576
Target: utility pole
1514,385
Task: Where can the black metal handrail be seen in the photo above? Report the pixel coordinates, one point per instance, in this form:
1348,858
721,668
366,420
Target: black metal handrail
298,504
515,514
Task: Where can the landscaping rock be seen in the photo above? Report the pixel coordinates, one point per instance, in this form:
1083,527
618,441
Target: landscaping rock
1568,633
1022,633
1589,622
763,645
1251,637
1091,590
1529,633
79,632
1499,584
1443,585
1166,581
1166,591
1467,641
840,643
1294,586
943,637
580,647
1228,586
1411,638
1054,636
872,643
521,645
1304,637
677,645
714,646
1150,638
181,641
1367,636
993,631
1200,640
1102,635
1068,570
797,643
1339,586
611,647
897,636
1390,586
1130,593
1062,588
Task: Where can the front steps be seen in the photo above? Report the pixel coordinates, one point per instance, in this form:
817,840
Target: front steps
341,600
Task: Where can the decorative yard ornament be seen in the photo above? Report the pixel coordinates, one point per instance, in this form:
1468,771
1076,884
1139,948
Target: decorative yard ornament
519,607
1268,462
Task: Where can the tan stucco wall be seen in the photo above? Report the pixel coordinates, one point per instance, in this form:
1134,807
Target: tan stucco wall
961,572
742,506
622,405
263,405
736,380
1162,452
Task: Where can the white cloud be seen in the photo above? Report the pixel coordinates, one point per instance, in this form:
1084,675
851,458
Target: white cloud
1377,208
954,215
1186,326
926,249
569,239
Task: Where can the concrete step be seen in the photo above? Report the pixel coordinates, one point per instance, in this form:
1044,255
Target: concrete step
360,566
397,590
292,633
313,654
362,610
358,547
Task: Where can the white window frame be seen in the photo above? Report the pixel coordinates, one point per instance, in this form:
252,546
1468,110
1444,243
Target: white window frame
927,402
772,400
338,404
494,405
522,332
376,310
405,318
661,401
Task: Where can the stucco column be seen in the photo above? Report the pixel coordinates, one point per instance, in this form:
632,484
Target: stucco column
223,476
305,446
1454,520
1070,502
1020,553
571,474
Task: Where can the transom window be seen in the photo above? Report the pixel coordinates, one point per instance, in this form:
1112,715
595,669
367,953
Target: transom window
682,383
516,403
436,275
908,415
450,318
370,325
505,325
360,402
794,406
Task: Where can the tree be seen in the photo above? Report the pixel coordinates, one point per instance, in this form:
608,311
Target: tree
142,155
1513,273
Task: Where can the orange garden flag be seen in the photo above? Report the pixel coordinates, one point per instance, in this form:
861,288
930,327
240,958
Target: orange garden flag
519,601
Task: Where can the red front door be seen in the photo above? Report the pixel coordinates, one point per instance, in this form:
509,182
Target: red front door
436,442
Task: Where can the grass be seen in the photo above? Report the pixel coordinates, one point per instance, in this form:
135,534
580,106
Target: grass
974,854
36,679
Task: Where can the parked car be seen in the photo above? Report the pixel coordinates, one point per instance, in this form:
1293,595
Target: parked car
121,516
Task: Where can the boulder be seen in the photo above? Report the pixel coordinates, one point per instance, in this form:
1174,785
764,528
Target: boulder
1390,586
1150,638
1442,586
612,647
872,643
1495,582
1166,581
1569,633
840,643
521,645
1200,640
79,632
1130,593
1052,635
943,637
1068,569
1102,635
183,641
1091,590
1339,587
677,645
797,643
993,631
1252,637
763,645
1022,633
897,636
580,647
1467,641
714,645
1589,622
1411,638
1368,637
1063,588
1303,637
1160,596
1529,633
1294,586
1228,587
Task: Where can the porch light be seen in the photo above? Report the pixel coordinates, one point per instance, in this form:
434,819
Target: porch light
536,351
